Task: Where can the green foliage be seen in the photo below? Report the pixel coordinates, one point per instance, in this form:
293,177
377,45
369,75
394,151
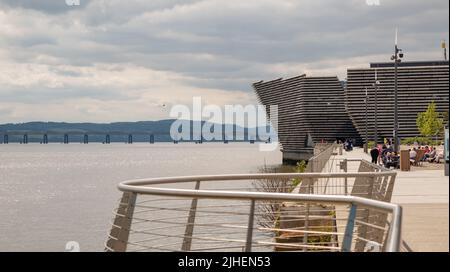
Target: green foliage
430,122
299,168
370,145
421,141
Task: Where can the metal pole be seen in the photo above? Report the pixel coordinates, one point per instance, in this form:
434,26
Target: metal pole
376,109
251,221
189,231
348,237
396,138
120,232
367,126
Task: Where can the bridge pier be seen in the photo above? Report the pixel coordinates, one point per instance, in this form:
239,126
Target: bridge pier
86,139
66,139
130,139
45,139
25,139
152,139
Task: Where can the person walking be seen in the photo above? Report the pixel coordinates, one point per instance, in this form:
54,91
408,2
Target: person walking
375,153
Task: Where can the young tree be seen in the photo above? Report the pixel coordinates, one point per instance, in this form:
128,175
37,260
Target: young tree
429,122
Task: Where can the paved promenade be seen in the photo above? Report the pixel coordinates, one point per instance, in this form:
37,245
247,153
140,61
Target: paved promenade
424,196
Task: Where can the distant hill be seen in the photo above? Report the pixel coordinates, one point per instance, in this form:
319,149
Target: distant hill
161,129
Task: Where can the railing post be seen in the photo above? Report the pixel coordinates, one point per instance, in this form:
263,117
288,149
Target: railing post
348,236
395,231
345,179
305,236
189,231
308,207
120,231
251,221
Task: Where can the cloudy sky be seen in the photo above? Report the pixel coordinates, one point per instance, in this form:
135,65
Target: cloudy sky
116,60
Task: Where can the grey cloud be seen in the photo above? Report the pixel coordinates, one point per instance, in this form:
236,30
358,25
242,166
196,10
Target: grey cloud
46,6
224,44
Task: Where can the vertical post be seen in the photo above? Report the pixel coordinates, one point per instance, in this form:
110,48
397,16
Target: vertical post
224,134
251,221
365,215
372,183
189,231
376,108
308,207
25,139
345,168
348,236
366,147
396,138
444,47
305,236
120,232
311,162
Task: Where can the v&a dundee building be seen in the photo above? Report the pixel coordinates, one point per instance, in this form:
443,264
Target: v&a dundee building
315,110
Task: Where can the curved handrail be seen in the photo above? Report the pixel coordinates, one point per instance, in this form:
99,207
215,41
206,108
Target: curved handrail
234,177
147,186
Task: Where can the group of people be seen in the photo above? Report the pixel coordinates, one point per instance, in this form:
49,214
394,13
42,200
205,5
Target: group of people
348,145
430,154
386,155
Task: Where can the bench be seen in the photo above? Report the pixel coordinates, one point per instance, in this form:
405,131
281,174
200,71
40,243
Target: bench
418,160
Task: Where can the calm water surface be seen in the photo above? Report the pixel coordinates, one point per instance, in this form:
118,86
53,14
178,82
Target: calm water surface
52,194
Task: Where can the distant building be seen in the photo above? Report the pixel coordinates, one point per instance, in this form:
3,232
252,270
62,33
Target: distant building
310,110
323,109
419,83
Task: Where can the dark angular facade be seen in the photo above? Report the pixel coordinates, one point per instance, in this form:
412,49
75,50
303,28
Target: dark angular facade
419,83
310,110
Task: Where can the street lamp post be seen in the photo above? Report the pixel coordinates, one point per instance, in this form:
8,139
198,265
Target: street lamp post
375,85
398,55
366,147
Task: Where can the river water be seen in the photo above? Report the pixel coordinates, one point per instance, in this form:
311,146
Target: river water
52,194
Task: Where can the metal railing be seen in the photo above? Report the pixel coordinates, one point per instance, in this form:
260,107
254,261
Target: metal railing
322,157
233,213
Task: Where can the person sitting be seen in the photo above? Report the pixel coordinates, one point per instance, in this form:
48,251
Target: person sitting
413,155
439,157
390,160
385,158
431,157
348,145
427,153
386,149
